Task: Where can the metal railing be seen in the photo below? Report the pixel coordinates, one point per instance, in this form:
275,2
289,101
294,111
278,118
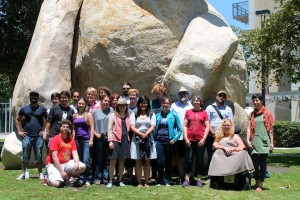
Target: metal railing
240,12
6,118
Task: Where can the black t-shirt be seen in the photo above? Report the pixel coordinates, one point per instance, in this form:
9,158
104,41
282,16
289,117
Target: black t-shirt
56,115
33,119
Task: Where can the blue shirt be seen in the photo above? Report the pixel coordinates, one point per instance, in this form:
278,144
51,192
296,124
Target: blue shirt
214,118
34,117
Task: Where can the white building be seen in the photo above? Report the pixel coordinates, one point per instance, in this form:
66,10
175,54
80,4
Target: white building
282,101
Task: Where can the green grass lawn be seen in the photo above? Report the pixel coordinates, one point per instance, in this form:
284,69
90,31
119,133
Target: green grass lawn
283,184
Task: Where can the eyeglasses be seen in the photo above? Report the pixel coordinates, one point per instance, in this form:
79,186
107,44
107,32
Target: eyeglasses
126,88
222,95
226,125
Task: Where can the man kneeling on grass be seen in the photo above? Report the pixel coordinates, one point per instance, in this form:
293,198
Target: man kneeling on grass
60,166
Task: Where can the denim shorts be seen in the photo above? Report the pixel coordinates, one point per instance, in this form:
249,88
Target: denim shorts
35,143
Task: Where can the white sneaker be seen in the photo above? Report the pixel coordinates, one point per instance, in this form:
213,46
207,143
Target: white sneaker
27,176
41,176
22,176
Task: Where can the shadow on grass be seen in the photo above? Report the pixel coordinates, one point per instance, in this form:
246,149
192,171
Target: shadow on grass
284,161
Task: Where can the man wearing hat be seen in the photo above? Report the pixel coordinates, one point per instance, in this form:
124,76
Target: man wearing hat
180,107
216,113
33,117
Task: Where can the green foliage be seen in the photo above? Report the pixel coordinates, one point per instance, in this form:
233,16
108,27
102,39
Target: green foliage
276,43
287,134
17,22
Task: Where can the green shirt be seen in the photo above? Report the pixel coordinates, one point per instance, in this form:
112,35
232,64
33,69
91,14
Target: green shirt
261,140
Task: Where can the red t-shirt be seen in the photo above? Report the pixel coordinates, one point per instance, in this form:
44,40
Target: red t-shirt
64,148
196,124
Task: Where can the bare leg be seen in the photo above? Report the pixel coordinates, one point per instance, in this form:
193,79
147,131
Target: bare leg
121,168
112,165
147,171
138,171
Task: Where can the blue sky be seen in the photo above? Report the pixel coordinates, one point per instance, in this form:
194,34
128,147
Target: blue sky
224,7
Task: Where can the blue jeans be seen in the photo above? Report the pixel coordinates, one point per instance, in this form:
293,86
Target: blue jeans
198,152
100,164
164,152
35,143
84,156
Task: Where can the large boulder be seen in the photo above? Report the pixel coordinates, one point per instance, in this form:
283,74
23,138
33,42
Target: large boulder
47,65
11,154
91,43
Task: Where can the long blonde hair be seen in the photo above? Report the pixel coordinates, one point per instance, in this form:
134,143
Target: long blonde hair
220,132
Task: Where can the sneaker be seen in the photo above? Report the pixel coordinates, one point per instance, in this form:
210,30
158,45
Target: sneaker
199,183
267,175
87,184
121,184
22,176
109,185
41,176
186,183
27,176
168,185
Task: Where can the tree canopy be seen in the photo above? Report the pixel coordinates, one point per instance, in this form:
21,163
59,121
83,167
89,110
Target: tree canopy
276,43
17,22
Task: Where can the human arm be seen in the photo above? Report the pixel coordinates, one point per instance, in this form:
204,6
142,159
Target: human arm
56,163
271,139
18,126
248,135
202,141
76,159
177,129
95,133
187,141
48,126
111,122
91,124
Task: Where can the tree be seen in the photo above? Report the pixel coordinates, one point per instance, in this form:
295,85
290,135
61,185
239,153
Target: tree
17,22
276,43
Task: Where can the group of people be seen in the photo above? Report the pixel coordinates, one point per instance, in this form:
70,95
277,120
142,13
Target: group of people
91,138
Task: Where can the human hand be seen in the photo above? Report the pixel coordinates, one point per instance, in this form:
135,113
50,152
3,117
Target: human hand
98,135
91,143
111,145
271,147
64,175
172,142
187,143
143,136
201,142
249,144
41,133
22,134
76,167
228,151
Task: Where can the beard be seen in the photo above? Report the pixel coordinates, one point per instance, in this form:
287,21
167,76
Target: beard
33,100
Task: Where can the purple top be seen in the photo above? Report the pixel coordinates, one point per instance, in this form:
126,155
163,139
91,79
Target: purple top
83,130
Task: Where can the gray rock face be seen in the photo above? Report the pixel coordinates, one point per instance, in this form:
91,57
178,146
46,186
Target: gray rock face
180,43
133,40
11,154
47,64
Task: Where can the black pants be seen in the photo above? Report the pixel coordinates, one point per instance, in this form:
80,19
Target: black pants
209,148
260,166
164,161
198,152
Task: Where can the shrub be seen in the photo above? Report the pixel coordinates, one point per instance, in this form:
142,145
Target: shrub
287,134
